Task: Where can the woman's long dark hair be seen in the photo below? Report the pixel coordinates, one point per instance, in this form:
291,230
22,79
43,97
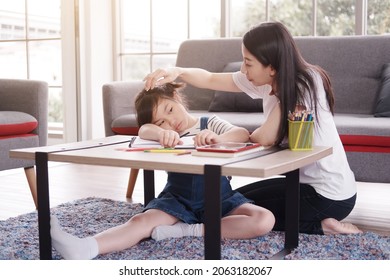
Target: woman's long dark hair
272,44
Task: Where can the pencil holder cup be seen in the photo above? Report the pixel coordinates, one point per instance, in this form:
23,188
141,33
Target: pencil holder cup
300,135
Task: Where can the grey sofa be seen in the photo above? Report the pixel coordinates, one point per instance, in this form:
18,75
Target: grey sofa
23,122
356,65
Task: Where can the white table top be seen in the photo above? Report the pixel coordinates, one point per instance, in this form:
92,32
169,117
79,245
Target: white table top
110,154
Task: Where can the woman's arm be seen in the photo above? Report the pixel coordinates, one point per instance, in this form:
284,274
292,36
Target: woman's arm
195,76
236,134
267,133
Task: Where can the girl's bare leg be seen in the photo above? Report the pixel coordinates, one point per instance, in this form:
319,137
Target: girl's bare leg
246,221
133,231
118,238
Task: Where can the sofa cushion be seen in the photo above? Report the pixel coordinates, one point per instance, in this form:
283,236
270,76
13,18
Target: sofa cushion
361,124
14,123
383,104
363,133
125,125
232,101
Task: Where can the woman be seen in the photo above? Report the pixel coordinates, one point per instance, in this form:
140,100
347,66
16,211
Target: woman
274,69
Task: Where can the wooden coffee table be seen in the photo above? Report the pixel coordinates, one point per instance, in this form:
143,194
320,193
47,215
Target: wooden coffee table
106,151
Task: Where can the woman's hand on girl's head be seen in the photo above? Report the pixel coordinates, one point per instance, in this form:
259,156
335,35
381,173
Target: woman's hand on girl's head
169,138
205,137
160,77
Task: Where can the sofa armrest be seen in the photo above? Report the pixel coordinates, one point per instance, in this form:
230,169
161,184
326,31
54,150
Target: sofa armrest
30,97
118,100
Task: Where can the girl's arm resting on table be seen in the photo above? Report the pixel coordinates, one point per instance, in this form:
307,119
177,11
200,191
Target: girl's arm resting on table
267,133
170,138
149,131
167,138
207,137
195,76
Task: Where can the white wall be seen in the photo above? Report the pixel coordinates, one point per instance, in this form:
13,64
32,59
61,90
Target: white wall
96,67
87,65
69,72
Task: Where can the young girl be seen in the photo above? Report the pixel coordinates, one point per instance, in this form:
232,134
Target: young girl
271,58
162,116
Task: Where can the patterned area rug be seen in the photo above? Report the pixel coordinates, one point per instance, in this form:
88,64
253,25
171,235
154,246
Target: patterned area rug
19,238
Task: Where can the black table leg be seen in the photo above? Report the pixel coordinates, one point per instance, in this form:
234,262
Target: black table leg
212,224
149,193
41,160
291,235
292,209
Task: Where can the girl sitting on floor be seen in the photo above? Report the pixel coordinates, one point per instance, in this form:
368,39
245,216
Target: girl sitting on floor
162,116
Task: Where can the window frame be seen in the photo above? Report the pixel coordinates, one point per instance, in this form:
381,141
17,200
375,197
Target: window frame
225,30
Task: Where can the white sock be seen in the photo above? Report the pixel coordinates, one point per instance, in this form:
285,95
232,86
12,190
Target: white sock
72,247
177,230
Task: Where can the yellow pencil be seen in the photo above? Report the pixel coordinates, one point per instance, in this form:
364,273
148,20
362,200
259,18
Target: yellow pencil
299,133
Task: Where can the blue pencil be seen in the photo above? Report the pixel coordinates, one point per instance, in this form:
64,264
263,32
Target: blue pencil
307,129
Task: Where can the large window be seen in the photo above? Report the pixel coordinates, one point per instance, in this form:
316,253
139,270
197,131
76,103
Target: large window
148,36
30,47
378,19
152,30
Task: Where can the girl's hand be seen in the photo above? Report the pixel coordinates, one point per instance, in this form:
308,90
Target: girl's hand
160,77
169,138
205,137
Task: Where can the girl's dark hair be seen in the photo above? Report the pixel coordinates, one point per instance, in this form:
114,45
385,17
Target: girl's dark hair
146,101
272,44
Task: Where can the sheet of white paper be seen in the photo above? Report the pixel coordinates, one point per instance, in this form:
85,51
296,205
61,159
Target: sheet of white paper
188,142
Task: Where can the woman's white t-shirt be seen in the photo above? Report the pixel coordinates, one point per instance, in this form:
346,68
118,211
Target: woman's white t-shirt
331,176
